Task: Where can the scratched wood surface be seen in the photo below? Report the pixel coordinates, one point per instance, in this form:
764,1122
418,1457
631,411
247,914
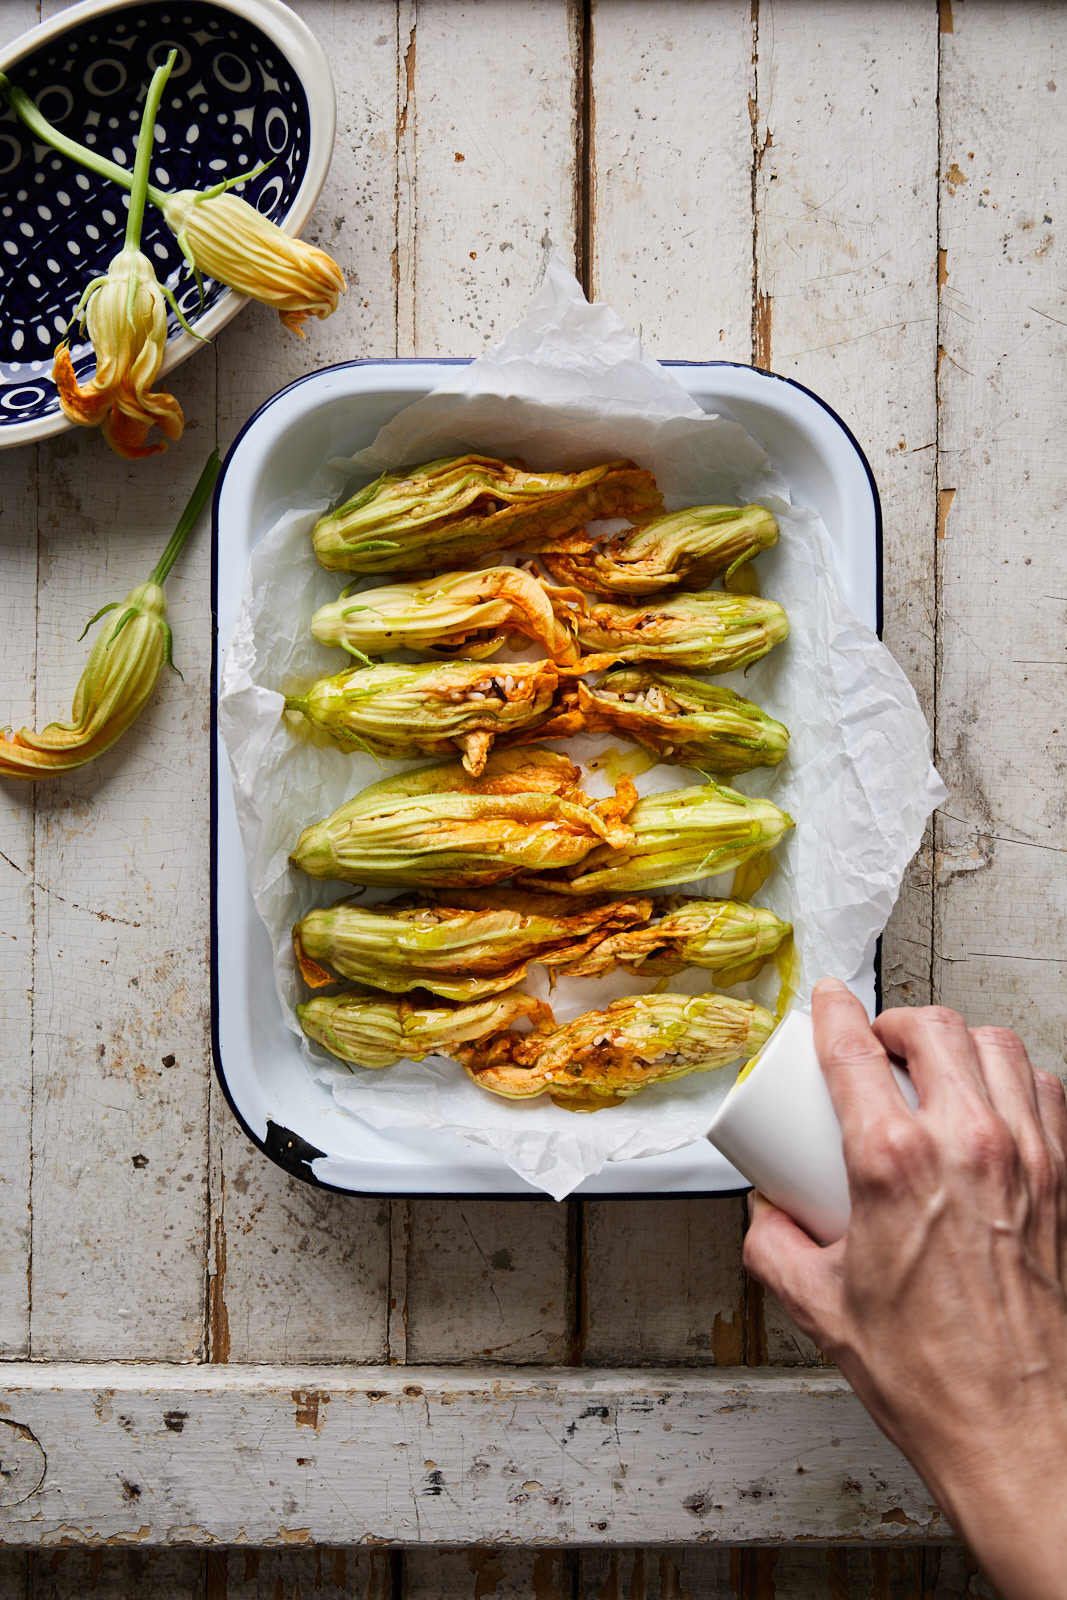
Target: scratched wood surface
860,197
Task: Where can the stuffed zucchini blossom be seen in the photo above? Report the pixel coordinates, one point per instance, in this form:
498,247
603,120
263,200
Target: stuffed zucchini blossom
367,1031
602,1058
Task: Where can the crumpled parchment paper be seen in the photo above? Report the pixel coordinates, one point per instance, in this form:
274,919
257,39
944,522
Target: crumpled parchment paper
570,385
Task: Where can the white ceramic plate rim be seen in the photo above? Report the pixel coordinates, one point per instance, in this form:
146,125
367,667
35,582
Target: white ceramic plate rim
298,44
401,1161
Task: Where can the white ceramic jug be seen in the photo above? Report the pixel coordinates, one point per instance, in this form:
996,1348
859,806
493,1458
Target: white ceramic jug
778,1128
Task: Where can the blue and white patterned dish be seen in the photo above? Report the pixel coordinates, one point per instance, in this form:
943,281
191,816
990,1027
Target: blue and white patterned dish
250,85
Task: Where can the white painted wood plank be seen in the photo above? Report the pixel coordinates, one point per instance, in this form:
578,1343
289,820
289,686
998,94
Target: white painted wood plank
18,626
120,1089
487,1281
486,126
846,298
353,220
1002,695
121,1025
670,203
669,219
663,1283
555,1456
18,618
486,189
298,1273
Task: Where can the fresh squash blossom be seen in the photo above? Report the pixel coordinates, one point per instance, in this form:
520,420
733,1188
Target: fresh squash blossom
227,239
126,315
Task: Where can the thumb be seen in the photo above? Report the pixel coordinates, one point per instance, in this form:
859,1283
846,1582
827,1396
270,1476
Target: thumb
804,1275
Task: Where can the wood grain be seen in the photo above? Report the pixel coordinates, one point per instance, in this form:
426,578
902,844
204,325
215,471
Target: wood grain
120,961
550,1456
299,1574
486,131
14,1569
846,301
651,1574
670,189
1002,685
18,622
117,1574
476,84
496,1574
669,245
18,626
299,1273
760,181
487,1281
663,1283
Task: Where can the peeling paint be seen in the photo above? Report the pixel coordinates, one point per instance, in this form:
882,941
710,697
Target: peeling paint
310,1408
945,498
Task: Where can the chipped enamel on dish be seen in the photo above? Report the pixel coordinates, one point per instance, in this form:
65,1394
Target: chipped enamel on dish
336,412
52,249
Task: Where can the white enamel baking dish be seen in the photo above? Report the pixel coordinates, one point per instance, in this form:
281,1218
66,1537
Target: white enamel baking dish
336,412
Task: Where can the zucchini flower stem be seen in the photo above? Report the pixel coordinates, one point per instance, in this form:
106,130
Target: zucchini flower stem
187,521
146,143
219,234
27,112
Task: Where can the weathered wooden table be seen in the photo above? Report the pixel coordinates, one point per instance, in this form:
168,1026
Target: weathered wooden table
531,1399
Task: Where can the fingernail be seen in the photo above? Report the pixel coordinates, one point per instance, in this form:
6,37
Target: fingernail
830,986
750,1201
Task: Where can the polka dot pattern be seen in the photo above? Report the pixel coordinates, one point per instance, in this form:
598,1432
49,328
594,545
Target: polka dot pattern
231,102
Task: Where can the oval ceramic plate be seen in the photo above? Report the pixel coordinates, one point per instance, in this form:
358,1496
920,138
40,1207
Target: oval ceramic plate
250,85
336,412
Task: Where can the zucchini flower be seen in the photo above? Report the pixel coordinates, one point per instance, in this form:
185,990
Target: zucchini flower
463,946
683,720
719,632
432,708
377,1033
685,549
602,1058
730,939
127,318
439,827
227,239
121,672
677,836
126,312
462,507
218,233
465,613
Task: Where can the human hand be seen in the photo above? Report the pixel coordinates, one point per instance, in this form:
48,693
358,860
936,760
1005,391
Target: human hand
944,1304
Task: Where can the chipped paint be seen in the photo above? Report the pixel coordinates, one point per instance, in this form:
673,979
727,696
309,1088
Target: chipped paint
310,1407
761,331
